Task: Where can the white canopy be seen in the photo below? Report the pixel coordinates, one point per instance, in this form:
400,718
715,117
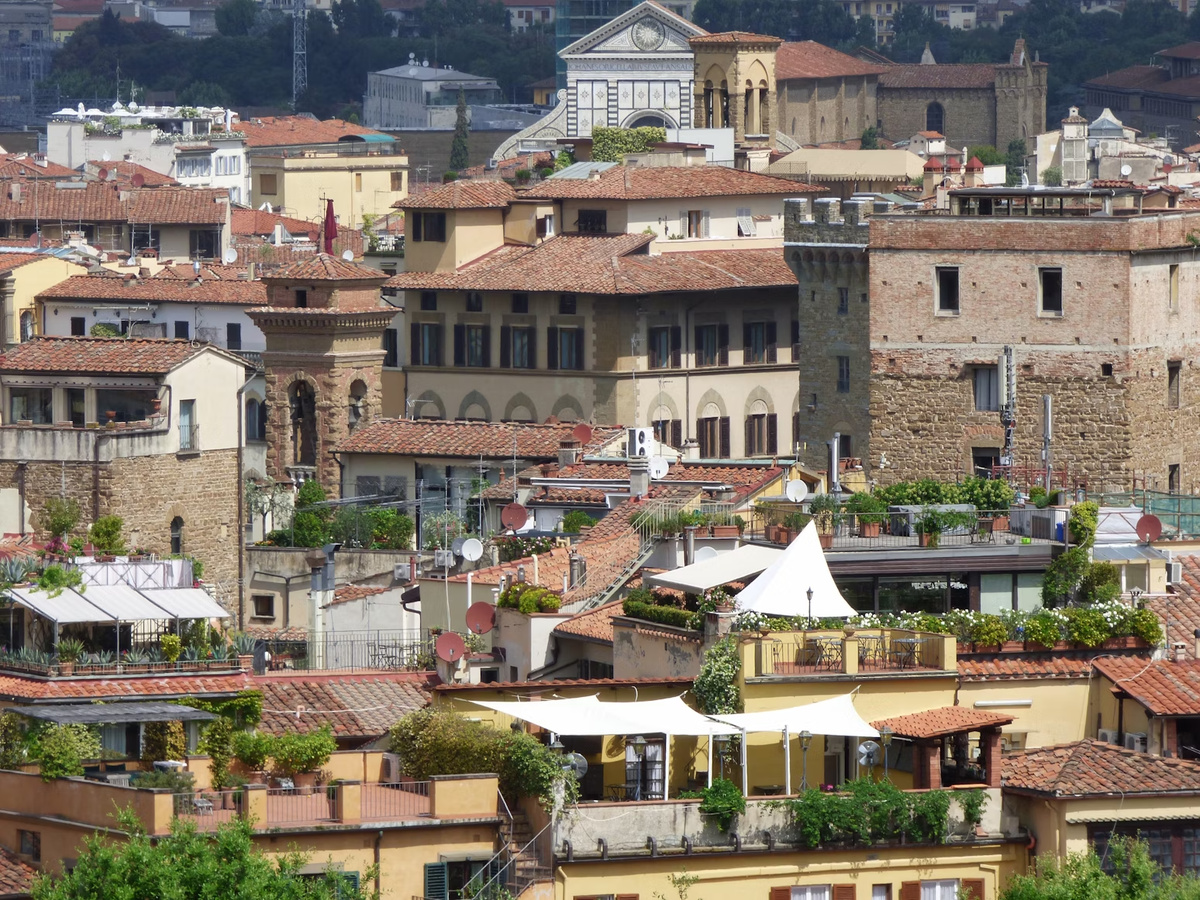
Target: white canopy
123,603
735,565
185,603
580,716
782,590
836,716
65,608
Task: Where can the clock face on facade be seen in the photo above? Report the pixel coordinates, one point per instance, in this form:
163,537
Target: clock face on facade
648,34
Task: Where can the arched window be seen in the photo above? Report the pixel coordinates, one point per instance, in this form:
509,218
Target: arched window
303,404
256,420
935,118
177,536
26,326
358,402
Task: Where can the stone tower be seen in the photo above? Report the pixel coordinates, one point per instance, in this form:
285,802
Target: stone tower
1074,148
324,327
735,88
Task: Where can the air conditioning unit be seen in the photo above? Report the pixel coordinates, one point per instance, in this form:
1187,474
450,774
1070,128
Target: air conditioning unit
641,442
443,558
1136,740
1174,573
391,768
1107,735
400,572
835,744
1011,742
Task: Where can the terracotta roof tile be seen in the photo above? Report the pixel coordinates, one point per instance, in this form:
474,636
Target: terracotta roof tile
594,625
507,168
728,37
1024,666
178,206
954,76
609,265
141,356
159,289
282,131
1092,768
942,721
359,706
348,593
323,267
492,440
21,165
95,201
14,687
808,59
1132,78
1163,687
462,195
668,183
551,686
742,478
10,261
123,170
1179,611
260,222
16,875
1190,50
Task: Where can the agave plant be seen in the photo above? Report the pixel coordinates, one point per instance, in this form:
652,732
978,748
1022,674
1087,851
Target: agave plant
220,652
14,570
102,658
189,654
244,643
136,656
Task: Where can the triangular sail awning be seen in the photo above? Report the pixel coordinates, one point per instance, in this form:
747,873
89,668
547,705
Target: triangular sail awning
587,716
735,565
836,716
782,589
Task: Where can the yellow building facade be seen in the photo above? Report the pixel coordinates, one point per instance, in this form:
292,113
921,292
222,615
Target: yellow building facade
298,180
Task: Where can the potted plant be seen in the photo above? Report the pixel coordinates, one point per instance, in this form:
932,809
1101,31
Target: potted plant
929,526
252,749
725,527
105,535
172,646
722,802
793,524
243,645
70,650
869,511
217,742
826,511
299,756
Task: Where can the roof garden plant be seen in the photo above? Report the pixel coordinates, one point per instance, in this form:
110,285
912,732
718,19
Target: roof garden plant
867,508
723,801
106,537
294,753
252,749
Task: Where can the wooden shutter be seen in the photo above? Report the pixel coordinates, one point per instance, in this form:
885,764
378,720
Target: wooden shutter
505,346
771,342
439,351
723,425
722,345
969,889
748,448
579,363
487,346
437,884
696,345
676,345
676,433
414,358
843,892
704,225
781,893
552,348
460,345
910,890
701,438
627,897
773,440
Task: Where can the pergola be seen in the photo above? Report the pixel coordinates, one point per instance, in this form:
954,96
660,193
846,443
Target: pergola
930,730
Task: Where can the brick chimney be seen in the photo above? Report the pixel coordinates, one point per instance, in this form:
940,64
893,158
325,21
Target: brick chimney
639,476
568,453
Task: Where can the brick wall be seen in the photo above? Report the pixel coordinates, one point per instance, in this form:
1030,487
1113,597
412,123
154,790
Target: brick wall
970,114
813,111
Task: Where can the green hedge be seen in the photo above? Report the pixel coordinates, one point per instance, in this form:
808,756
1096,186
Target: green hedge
664,615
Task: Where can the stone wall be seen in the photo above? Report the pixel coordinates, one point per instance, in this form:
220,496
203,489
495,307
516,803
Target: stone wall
813,111
649,650
970,114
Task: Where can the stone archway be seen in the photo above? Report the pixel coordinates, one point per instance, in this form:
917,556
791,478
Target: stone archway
475,400
567,409
520,403
419,406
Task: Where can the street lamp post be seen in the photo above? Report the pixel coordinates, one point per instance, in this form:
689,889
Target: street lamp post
805,739
885,738
639,750
810,593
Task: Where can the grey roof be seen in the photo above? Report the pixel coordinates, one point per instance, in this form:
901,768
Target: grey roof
1125,553
430,73
114,713
581,170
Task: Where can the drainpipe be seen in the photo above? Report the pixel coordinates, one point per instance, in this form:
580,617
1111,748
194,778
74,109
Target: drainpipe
241,507
378,841
21,464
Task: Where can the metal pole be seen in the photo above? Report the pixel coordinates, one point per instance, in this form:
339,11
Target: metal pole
787,762
745,784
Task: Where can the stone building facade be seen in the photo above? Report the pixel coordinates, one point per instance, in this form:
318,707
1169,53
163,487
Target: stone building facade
1101,316
978,103
823,95
324,327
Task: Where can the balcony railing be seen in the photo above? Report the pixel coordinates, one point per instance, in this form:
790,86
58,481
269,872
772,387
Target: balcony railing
826,653
410,650
907,530
189,438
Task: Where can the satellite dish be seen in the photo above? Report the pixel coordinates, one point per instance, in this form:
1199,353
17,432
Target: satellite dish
705,553
230,256
575,764
472,549
582,432
457,544
1149,528
514,516
450,647
347,255
138,179
658,467
102,174
869,752
1127,170
796,491
481,617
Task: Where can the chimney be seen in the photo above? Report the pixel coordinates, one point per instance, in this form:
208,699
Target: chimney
691,449
568,453
16,191
578,568
639,476
548,469
689,547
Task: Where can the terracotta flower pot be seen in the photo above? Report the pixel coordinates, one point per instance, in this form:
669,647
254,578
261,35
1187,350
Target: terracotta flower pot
826,541
868,529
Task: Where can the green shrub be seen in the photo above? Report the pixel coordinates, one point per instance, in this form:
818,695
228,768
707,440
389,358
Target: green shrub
176,781
576,520
14,749
930,810
664,615
217,742
171,647
722,800
869,509
868,811
252,749
1063,575
105,535
163,740
1086,627
715,688
59,516
989,631
294,753
1144,624
611,144
1083,522
62,749
1043,628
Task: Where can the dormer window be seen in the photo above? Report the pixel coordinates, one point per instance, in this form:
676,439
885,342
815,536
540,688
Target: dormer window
429,226
301,298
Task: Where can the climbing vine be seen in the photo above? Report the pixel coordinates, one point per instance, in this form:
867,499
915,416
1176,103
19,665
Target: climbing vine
716,686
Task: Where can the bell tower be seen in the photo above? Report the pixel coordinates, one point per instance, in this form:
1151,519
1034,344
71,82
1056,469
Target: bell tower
735,88
324,326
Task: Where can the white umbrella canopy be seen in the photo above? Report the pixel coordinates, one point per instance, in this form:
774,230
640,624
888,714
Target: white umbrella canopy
782,589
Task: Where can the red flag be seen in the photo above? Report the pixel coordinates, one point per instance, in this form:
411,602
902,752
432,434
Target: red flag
330,226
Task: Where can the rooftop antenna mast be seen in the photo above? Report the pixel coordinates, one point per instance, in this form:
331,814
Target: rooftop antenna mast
299,51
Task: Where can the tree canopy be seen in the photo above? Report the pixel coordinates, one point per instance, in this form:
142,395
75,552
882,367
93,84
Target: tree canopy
189,866
1125,873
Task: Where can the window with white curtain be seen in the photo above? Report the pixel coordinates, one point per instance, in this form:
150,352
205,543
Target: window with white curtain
940,890
987,388
812,892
